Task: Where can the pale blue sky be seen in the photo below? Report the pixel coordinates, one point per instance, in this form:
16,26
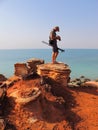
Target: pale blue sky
25,23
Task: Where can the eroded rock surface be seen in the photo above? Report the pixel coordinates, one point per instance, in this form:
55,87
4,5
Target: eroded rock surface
58,72
26,96
26,68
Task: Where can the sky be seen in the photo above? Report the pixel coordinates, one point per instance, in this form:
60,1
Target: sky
24,24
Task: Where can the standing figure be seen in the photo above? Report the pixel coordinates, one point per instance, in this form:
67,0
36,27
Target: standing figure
53,37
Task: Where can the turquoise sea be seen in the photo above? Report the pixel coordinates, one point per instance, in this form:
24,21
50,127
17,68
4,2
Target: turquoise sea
81,61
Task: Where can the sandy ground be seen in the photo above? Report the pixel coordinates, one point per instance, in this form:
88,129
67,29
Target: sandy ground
61,109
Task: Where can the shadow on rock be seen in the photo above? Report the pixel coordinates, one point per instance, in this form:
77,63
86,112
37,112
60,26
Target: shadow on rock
86,89
70,103
55,107
10,103
10,127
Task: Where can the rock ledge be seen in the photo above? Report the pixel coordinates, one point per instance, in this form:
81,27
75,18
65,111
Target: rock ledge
59,72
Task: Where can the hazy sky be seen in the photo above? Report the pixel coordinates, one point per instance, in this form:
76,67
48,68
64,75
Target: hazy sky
25,23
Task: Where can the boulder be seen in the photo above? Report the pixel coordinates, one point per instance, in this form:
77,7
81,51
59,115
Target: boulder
59,72
21,69
32,64
25,69
24,97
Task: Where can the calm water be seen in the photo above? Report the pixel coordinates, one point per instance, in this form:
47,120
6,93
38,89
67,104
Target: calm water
81,61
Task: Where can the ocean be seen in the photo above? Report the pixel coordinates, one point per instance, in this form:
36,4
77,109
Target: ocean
82,62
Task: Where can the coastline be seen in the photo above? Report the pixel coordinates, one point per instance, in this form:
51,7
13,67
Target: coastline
82,62
71,105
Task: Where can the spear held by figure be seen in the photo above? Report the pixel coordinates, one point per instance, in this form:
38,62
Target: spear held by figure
51,46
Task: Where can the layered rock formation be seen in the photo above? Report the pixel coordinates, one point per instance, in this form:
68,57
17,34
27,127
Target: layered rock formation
35,93
24,69
32,64
47,100
25,96
58,72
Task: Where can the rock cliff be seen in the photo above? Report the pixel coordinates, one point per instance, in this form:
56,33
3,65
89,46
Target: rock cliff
39,97
60,72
